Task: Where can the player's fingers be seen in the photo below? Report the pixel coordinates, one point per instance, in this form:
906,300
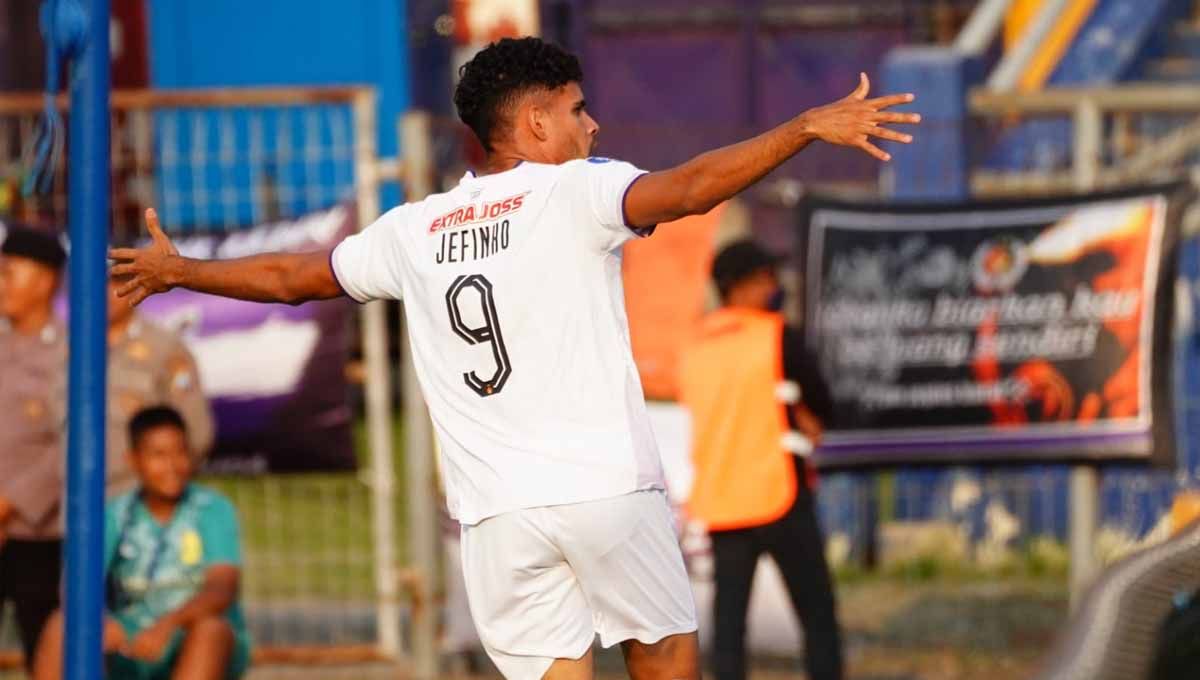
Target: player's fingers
874,151
884,133
128,288
122,254
893,117
864,86
891,100
135,295
154,227
124,269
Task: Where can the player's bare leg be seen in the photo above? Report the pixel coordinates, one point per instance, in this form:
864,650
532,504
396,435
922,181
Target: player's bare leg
675,657
571,669
206,650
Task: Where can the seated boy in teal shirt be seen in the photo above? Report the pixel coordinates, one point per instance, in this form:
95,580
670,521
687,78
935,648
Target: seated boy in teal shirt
172,565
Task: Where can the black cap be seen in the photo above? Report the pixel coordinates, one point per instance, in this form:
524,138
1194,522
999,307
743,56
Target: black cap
738,260
37,245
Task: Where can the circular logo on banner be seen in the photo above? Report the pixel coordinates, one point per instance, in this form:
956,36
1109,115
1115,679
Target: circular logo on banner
998,264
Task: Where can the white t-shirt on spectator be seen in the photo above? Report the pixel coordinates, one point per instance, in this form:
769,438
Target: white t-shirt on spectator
516,313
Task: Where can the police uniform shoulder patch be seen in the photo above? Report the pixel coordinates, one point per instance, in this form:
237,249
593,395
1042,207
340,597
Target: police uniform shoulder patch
138,350
183,377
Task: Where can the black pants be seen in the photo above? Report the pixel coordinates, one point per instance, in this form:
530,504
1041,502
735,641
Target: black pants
794,542
29,578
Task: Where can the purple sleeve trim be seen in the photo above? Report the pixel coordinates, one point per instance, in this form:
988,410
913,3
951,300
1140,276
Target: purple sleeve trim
336,280
642,232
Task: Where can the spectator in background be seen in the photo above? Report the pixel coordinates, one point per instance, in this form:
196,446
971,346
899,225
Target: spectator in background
172,563
148,365
33,364
755,399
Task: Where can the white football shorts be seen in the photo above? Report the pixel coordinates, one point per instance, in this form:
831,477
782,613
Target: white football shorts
543,582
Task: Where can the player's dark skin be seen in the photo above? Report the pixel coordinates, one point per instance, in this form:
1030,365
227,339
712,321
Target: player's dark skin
550,126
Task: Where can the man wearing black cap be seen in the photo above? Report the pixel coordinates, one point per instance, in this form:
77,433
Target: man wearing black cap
33,347
756,400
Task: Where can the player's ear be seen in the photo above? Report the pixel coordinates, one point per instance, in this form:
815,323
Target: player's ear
538,119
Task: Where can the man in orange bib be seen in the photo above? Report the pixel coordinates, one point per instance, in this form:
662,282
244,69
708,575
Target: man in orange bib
756,399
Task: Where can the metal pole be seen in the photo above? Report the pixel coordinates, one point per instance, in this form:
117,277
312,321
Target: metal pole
981,28
1088,140
422,512
1007,73
1085,488
378,395
1085,485
89,217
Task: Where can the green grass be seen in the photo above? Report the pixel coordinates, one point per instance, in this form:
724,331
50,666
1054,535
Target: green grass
309,536
1039,561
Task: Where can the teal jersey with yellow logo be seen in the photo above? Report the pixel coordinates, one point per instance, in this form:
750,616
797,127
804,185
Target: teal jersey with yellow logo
153,568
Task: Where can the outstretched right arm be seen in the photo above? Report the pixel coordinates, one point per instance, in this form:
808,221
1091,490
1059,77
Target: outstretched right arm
291,278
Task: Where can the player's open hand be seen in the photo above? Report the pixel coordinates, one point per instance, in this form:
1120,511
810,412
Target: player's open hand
143,272
854,120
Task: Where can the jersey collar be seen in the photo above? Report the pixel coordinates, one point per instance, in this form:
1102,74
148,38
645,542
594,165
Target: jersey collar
472,176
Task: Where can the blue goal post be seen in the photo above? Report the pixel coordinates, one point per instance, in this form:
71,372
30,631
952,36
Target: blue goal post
77,30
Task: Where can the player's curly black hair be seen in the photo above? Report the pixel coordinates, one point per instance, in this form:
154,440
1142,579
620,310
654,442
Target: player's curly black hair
503,70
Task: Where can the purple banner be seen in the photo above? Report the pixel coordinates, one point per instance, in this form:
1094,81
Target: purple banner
275,373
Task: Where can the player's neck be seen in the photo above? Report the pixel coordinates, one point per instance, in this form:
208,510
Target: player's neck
501,161
510,153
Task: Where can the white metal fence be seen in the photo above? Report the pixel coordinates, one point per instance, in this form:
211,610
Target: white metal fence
322,572
1069,139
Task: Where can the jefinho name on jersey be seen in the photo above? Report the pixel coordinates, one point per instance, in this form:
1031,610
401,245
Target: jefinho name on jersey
472,214
473,244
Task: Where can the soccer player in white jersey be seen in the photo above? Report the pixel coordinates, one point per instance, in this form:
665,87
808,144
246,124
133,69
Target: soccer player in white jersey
512,287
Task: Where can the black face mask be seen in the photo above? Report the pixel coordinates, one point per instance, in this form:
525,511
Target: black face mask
775,302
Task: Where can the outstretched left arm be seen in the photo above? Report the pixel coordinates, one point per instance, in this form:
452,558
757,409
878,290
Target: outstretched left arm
701,183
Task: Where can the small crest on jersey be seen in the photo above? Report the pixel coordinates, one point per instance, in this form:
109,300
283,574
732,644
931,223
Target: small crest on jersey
598,159
475,213
191,548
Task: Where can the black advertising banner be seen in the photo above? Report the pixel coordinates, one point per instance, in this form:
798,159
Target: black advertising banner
993,331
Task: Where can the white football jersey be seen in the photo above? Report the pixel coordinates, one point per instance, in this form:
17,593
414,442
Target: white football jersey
516,313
